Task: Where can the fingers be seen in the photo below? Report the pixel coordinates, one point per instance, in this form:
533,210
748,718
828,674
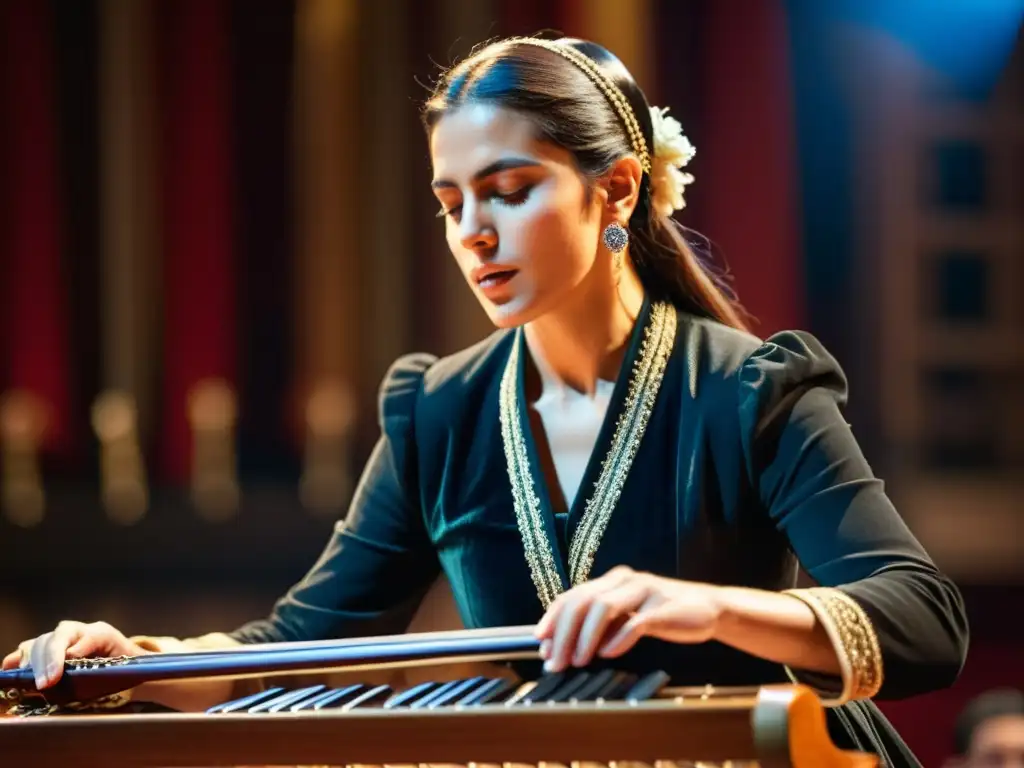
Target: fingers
37,659
614,577
84,647
70,640
97,639
607,612
546,626
49,651
567,626
26,653
638,625
545,648
18,658
578,620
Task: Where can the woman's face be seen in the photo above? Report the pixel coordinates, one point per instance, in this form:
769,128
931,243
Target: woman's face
517,215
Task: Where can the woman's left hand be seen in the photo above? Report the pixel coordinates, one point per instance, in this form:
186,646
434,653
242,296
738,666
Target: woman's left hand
605,617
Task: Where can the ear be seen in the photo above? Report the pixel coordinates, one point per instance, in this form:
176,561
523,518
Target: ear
622,185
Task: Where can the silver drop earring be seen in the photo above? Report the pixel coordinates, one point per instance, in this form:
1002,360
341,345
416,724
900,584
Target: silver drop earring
615,237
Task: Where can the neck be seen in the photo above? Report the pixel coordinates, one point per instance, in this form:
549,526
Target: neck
584,339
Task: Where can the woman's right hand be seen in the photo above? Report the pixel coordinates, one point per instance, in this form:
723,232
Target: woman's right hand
70,640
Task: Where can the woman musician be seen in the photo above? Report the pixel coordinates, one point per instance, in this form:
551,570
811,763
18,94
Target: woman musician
621,463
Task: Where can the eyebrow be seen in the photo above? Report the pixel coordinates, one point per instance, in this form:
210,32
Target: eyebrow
498,166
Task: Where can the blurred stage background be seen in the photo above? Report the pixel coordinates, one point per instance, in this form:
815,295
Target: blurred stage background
216,233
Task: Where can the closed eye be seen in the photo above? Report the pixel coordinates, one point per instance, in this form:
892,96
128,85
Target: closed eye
511,199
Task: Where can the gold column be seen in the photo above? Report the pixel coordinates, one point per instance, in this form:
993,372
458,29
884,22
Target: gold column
328,148
213,414
128,248
23,421
465,23
122,473
326,483
625,30
388,155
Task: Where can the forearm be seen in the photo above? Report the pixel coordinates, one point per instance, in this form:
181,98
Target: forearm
190,695
777,627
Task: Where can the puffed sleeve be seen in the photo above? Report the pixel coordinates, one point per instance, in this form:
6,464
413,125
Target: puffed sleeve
380,556
897,623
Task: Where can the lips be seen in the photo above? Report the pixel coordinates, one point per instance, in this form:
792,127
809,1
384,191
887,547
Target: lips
493,275
496,278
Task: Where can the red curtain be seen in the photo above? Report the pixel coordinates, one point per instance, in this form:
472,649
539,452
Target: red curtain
527,17
32,289
748,151
200,339
926,722
570,15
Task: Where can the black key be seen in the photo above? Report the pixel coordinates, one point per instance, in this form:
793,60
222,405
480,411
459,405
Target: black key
285,699
245,702
373,696
299,697
463,687
407,697
648,686
491,692
282,703
440,690
544,688
566,691
331,699
618,687
593,687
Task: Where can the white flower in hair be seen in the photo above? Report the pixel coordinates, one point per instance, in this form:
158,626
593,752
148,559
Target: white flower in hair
672,151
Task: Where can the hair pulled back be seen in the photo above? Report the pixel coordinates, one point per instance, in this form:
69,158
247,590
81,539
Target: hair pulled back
572,112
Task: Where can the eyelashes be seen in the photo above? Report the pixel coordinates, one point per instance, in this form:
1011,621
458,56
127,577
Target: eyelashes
515,198
511,200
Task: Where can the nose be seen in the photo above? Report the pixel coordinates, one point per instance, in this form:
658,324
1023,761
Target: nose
476,230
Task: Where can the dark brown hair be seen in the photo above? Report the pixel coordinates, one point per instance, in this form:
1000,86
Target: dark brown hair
999,702
571,111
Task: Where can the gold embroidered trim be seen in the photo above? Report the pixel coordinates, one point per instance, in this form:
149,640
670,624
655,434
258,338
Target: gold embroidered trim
539,554
645,383
648,372
852,635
